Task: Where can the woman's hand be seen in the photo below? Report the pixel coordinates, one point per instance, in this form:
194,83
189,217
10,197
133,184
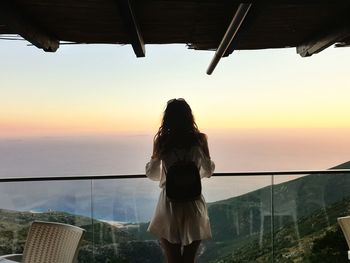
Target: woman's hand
155,154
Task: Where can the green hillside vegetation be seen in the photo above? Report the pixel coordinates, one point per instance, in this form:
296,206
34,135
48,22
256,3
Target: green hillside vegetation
319,241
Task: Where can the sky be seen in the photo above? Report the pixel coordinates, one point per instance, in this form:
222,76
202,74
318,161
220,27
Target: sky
264,109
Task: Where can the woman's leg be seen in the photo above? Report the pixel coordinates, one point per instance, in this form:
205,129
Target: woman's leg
172,251
190,251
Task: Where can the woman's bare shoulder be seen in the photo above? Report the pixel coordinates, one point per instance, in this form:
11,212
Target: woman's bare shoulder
202,139
202,136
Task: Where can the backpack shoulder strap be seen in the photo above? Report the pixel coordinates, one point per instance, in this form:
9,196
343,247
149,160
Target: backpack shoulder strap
178,159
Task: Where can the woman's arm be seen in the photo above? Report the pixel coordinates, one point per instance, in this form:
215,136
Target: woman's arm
204,144
207,166
153,170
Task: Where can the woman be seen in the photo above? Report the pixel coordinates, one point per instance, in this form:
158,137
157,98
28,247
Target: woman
180,226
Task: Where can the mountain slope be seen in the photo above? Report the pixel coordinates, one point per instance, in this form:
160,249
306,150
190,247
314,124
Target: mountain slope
240,220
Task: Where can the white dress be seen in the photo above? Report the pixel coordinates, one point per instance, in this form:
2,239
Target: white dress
185,222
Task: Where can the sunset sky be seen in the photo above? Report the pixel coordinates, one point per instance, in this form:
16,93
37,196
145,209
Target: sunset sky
100,89
255,99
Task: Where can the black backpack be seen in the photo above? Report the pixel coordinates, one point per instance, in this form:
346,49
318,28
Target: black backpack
183,181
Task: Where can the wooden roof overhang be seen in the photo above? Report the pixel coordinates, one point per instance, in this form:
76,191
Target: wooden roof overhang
220,25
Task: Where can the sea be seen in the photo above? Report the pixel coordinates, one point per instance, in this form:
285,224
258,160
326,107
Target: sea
134,200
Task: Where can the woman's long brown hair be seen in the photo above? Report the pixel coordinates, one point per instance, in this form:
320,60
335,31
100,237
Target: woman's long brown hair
178,130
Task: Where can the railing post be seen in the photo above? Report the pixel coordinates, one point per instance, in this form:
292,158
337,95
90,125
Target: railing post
92,219
272,219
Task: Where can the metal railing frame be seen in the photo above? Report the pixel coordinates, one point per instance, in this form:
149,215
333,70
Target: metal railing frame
134,176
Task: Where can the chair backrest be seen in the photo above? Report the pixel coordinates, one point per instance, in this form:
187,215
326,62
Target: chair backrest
49,242
344,223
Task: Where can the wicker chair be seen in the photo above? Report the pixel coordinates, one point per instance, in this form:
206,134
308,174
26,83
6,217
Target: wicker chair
49,243
344,223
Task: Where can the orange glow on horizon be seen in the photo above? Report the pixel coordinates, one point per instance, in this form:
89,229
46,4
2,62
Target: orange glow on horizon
36,122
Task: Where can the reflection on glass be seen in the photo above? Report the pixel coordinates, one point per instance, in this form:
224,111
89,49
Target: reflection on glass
122,209
305,217
240,217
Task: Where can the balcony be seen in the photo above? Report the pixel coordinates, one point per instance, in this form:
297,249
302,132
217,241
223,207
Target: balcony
256,217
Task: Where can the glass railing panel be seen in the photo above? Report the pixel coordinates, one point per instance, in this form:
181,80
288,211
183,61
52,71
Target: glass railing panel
306,208
239,211
122,210
240,216
56,201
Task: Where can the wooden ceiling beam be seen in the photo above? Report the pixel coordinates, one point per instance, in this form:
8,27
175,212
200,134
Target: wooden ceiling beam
26,28
128,15
320,43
